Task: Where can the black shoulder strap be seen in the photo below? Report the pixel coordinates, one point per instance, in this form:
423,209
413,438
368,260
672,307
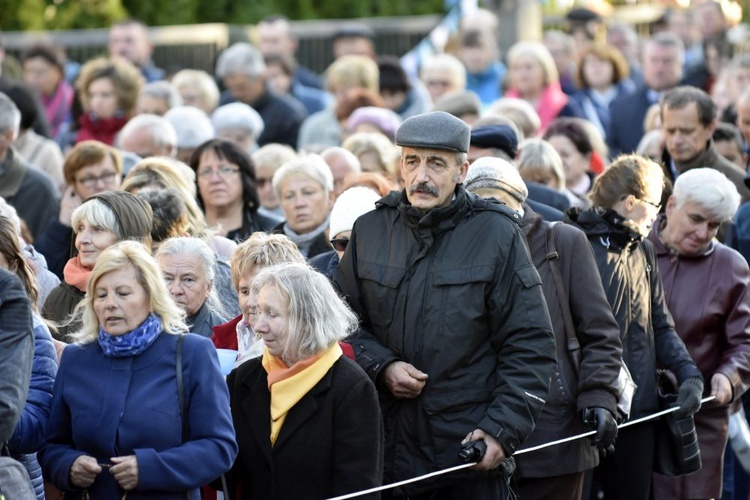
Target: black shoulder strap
574,347
181,388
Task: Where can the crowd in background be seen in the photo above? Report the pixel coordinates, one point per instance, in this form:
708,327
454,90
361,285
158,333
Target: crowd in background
266,163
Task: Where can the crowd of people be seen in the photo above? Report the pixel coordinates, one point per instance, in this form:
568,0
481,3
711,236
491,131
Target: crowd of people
269,283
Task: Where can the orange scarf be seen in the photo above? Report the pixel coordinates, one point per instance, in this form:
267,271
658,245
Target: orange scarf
76,275
289,384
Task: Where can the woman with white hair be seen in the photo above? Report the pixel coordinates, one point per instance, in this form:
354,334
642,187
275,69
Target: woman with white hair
238,123
197,88
156,98
533,77
305,188
705,285
188,267
307,418
193,128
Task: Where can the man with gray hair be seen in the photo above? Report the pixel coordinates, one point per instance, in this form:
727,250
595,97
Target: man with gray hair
342,163
242,69
583,394
663,60
148,135
454,330
32,193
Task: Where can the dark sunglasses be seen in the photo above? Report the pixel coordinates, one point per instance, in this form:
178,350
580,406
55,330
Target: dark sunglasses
340,244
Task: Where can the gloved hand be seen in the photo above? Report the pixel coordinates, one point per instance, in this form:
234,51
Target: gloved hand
605,425
689,397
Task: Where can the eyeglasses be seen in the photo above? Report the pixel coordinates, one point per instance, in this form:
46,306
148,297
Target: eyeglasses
224,172
106,179
339,244
657,206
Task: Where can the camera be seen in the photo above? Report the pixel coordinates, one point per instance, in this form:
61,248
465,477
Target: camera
473,451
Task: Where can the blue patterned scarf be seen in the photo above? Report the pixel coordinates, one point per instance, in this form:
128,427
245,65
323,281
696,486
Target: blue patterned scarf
131,343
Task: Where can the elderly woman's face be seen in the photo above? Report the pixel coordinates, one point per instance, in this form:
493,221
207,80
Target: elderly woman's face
248,298
96,178
121,303
241,137
219,182
526,75
186,281
91,241
102,98
304,202
271,320
192,96
150,105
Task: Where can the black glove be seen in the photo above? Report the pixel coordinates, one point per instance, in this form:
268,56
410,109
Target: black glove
603,422
689,397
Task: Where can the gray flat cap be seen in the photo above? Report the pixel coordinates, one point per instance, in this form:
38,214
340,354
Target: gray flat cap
434,130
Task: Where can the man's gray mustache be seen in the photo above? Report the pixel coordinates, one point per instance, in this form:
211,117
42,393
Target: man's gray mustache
423,187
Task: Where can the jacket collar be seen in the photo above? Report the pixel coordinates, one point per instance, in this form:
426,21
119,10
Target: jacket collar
439,219
612,230
706,158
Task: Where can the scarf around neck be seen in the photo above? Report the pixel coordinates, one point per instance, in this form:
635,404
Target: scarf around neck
76,275
289,384
133,342
304,241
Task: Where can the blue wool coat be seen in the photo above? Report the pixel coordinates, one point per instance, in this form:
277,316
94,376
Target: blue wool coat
108,407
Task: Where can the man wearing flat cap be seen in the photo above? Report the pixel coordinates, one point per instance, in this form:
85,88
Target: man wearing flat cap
454,330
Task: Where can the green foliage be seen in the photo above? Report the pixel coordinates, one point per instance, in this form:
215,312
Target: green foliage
20,15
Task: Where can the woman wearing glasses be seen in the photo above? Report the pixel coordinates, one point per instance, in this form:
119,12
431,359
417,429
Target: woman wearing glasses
625,205
101,221
90,168
225,176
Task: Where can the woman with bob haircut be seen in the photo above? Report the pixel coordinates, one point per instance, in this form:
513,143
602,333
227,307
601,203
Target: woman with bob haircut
197,88
100,222
225,177
307,418
705,283
581,162
125,433
533,77
305,188
626,200
108,90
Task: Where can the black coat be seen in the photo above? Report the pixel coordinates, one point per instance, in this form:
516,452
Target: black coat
331,442
627,112
629,272
454,293
572,388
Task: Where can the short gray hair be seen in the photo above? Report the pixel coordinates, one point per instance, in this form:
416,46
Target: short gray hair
10,116
192,126
161,131
242,58
163,90
311,166
96,213
240,116
317,317
710,189
9,212
186,245
539,155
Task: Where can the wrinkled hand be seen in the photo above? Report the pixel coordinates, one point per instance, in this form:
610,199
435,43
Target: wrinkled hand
403,380
721,388
494,455
605,425
125,471
84,470
68,203
689,397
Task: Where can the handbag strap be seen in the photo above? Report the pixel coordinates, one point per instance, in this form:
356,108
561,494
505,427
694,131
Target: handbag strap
181,388
574,347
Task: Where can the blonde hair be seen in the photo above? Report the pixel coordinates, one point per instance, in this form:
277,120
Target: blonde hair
207,88
167,174
538,156
353,71
262,250
373,142
539,53
129,253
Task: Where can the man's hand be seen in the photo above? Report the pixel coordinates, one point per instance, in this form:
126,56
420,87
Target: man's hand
605,425
68,203
125,471
721,388
403,380
83,471
494,455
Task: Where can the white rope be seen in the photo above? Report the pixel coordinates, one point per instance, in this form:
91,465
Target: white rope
519,452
